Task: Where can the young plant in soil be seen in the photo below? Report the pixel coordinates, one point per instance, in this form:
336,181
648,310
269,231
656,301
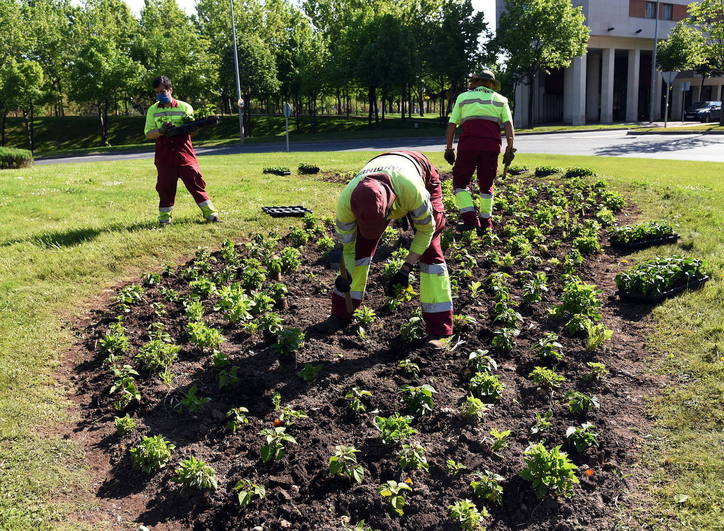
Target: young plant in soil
299,237
286,414
487,486
504,339
486,386
535,288
409,367
579,301
455,468
582,437
276,438
344,463
413,329
129,296
151,454
480,361
499,440
194,310
545,378
596,336
115,341
412,457
247,492
466,515
549,471
394,429
195,474
364,316
203,337
289,341
580,403
228,378
542,422
191,403
506,315
270,323
598,371
418,399
125,425
156,355
237,417
548,348
473,409
354,399
310,371
396,495
291,259
124,384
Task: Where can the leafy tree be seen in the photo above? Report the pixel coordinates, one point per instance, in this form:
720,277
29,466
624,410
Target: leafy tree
102,74
21,86
170,44
683,50
540,35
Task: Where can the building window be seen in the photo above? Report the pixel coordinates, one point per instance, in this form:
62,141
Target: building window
650,9
667,13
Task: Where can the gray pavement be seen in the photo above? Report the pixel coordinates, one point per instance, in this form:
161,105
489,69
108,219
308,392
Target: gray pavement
696,147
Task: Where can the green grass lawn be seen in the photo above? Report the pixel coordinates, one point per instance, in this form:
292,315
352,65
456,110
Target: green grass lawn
69,233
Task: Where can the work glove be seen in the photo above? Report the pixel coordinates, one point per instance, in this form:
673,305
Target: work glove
508,156
450,156
165,128
343,284
399,281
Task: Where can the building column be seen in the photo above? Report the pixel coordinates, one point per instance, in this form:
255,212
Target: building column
717,93
520,113
607,69
574,97
593,86
677,101
632,85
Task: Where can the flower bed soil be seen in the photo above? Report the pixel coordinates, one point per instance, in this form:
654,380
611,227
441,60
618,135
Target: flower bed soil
300,493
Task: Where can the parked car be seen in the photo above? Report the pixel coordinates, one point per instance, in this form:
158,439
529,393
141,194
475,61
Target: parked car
703,111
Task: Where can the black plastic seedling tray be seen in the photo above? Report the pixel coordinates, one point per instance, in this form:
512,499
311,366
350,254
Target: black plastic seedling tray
297,211
642,244
655,299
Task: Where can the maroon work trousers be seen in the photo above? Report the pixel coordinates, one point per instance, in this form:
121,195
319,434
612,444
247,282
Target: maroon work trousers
469,160
168,178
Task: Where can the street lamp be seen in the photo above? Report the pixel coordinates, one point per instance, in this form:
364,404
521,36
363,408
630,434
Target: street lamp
652,106
239,101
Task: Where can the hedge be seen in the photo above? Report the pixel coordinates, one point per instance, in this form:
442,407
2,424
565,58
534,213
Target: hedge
15,158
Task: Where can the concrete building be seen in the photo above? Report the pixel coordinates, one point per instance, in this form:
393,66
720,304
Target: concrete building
611,82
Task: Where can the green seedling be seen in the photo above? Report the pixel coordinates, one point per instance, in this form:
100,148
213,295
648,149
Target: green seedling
237,417
156,355
580,403
276,438
247,492
192,403
547,379
396,495
548,348
475,289
115,341
549,471
582,437
409,367
598,371
596,336
499,440
455,468
289,341
299,237
474,409
412,457
151,454
354,399
310,371
344,463
413,329
394,429
269,323
195,474
487,486
504,339
291,259
480,361
542,422
194,310
486,386
228,378
124,384
219,360
125,425
204,337
418,399
465,514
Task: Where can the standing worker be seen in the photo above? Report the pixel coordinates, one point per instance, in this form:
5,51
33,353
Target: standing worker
391,186
480,111
175,156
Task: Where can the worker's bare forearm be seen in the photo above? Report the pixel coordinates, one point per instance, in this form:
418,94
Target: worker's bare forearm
450,136
509,133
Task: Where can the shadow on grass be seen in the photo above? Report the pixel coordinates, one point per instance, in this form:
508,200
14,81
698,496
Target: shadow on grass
655,147
73,237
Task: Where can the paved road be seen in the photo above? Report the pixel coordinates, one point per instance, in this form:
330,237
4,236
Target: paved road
708,148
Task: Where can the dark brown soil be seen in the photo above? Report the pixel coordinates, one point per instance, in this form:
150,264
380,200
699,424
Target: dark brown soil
300,493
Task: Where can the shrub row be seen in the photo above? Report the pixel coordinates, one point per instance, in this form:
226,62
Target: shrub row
11,158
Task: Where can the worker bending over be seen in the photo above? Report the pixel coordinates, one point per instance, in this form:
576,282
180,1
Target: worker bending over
481,112
391,186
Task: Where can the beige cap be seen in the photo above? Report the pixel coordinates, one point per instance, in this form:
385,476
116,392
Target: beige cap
486,75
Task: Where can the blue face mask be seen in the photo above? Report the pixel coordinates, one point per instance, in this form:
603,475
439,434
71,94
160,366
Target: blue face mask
164,98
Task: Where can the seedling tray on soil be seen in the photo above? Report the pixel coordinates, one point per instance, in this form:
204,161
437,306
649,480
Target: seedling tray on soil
655,299
297,211
642,244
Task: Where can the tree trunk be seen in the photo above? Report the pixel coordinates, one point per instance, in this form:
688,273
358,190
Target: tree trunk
531,125
26,125
371,106
3,116
105,124
32,127
384,102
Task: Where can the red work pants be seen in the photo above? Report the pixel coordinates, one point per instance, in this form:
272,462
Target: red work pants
168,178
467,162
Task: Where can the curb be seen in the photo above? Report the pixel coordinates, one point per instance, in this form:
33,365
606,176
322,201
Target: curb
674,132
568,131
